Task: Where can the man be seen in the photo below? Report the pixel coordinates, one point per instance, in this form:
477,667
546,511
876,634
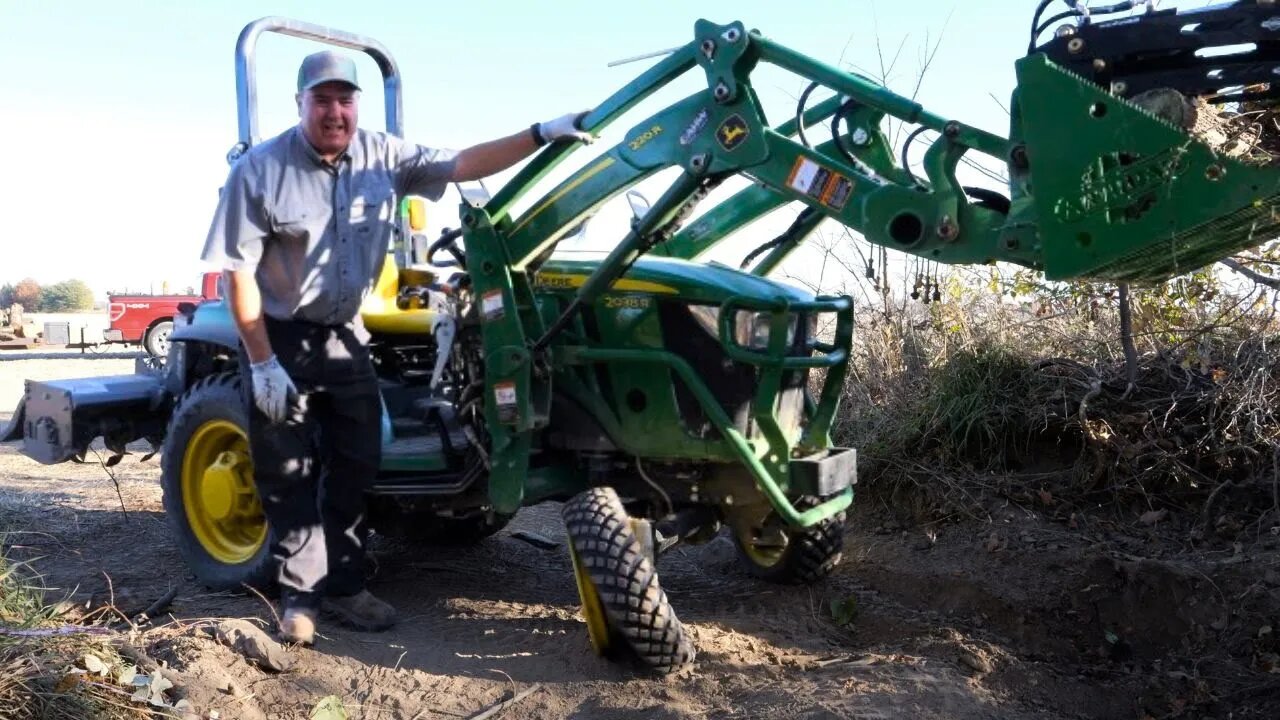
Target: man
301,232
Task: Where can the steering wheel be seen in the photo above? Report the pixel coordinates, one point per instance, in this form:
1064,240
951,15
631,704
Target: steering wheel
448,242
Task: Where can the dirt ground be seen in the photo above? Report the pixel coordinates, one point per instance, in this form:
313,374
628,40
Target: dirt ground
1013,615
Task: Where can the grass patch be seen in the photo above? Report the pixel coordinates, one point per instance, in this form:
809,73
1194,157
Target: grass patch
53,670
944,414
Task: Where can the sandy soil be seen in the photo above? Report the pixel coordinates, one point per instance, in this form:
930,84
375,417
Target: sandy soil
1013,616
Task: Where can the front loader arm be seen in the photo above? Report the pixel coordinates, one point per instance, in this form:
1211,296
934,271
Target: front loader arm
1097,188
721,131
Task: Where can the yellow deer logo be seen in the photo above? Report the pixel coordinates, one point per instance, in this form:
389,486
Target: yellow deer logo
732,132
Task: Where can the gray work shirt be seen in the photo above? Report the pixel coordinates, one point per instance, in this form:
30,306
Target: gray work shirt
317,234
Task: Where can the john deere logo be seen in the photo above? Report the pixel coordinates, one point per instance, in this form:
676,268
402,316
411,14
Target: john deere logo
732,132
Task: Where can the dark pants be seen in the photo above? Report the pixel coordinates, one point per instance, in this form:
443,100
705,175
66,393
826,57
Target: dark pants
311,470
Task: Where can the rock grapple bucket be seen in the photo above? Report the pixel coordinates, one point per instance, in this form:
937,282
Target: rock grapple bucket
1126,195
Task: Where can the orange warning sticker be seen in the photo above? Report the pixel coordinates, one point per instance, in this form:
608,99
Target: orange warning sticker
822,184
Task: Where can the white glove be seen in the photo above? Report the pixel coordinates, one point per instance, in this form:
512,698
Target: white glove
565,126
271,388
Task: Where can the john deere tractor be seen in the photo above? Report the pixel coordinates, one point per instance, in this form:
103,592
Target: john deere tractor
661,398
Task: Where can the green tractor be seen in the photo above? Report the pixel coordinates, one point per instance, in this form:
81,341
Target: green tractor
657,396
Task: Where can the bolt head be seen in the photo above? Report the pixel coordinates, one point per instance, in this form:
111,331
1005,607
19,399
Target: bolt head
947,229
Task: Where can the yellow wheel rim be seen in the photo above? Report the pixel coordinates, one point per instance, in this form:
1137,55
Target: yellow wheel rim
218,494
592,608
764,547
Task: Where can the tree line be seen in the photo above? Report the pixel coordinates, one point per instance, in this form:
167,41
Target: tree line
65,296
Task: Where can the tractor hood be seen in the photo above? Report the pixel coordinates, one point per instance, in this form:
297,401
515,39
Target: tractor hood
694,282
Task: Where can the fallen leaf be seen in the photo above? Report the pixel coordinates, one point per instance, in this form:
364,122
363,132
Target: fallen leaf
159,683
126,675
68,681
1151,517
844,611
993,543
94,664
151,689
329,708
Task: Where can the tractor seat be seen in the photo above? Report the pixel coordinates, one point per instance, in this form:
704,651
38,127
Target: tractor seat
380,312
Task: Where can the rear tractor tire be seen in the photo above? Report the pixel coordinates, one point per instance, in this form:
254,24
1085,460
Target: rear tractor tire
778,553
623,604
209,495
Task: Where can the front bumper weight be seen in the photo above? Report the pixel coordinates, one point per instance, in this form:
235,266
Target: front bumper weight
825,473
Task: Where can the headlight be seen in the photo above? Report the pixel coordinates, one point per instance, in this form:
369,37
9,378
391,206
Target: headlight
751,328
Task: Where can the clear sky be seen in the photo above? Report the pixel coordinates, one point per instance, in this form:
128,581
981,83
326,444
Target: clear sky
118,115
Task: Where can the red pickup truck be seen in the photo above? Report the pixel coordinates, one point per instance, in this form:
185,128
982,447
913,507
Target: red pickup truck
148,319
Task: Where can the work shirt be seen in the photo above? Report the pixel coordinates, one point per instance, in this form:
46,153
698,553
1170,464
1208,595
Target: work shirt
317,234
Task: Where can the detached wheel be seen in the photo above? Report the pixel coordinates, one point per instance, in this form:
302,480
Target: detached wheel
778,553
621,600
156,342
209,496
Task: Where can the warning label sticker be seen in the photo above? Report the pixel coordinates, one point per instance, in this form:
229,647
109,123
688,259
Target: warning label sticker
820,183
491,305
505,393
808,177
839,188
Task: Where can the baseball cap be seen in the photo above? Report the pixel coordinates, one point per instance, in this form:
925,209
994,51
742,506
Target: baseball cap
326,66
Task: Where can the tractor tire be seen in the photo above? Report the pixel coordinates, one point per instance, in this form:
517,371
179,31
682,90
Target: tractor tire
618,585
156,341
793,556
209,495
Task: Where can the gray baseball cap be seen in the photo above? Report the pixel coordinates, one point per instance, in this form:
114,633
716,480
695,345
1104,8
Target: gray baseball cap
326,66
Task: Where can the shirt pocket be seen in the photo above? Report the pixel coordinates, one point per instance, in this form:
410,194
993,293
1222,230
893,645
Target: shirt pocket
292,221
371,203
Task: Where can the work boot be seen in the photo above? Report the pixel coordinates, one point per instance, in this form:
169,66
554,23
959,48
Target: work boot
298,626
362,611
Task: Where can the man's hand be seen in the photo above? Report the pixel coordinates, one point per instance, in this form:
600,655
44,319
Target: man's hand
565,126
271,389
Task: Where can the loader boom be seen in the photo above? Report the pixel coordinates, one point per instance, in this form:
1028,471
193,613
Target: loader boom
1098,188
